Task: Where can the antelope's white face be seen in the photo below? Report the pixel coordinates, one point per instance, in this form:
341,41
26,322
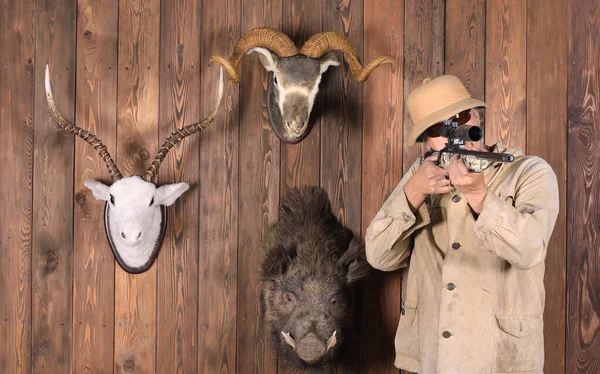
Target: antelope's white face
134,216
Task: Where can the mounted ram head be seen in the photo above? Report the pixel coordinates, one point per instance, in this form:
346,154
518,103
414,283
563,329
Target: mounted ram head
296,74
135,215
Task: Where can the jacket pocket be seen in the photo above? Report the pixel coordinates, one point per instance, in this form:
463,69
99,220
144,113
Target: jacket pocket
407,335
519,344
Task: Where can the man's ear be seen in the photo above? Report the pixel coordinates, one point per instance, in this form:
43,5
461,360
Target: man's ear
169,193
327,60
277,261
99,189
267,58
354,262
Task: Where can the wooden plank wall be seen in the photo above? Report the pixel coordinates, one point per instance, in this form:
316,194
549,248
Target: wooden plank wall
133,71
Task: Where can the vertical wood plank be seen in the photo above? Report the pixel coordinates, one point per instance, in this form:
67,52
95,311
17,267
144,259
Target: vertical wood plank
93,260
177,264
464,46
52,258
16,172
137,130
506,73
259,154
300,163
341,135
219,174
547,138
424,57
381,172
583,265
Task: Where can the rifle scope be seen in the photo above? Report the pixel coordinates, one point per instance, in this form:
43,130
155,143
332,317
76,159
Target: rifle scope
464,132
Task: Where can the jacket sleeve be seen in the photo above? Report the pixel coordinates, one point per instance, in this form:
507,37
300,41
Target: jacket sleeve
388,237
520,233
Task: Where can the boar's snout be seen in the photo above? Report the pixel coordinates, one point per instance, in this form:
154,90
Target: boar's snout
310,349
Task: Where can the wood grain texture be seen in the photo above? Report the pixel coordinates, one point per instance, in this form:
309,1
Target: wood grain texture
465,43
52,252
424,57
17,25
219,177
177,264
381,172
93,260
547,114
300,163
341,136
137,130
583,264
506,73
259,155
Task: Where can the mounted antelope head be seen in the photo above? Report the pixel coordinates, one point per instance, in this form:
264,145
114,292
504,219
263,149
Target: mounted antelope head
135,215
296,74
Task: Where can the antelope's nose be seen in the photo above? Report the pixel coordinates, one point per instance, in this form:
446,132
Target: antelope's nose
132,237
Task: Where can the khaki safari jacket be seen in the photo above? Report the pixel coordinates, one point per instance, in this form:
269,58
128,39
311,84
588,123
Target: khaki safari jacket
475,292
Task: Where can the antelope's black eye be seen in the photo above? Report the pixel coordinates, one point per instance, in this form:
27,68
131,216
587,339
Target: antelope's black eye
152,201
112,199
275,80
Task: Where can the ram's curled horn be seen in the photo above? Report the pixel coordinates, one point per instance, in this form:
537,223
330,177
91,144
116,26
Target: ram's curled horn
321,43
69,127
271,39
180,134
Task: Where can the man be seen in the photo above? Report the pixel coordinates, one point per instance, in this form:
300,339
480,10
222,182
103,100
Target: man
476,244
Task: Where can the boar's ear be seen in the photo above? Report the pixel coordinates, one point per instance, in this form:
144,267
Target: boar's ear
277,260
354,262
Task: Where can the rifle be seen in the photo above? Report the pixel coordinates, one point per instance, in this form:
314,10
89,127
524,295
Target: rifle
457,136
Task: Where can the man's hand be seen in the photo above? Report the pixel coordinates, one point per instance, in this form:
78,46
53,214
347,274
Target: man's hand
470,184
429,179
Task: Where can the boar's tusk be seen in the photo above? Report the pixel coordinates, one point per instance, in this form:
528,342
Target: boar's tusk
289,339
332,341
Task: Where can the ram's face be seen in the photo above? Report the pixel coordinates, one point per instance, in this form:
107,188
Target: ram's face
293,90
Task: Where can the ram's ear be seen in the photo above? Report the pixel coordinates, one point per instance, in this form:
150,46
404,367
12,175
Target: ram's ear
267,58
354,262
327,60
99,189
277,261
169,193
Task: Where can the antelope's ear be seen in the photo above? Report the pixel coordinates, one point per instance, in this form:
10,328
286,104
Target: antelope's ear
327,60
169,193
99,189
267,58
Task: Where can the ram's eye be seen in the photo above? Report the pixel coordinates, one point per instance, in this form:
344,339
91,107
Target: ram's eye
289,297
152,201
112,199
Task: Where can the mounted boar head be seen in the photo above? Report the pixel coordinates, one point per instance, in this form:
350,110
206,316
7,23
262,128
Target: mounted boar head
296,74
135,214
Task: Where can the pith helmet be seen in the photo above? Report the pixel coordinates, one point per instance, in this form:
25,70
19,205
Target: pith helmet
437,100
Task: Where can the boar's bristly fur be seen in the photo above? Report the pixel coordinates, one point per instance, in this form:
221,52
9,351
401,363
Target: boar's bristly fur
309,265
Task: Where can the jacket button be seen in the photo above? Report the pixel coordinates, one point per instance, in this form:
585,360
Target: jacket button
402,311
446,334
456,199
455,245
406,216
450,286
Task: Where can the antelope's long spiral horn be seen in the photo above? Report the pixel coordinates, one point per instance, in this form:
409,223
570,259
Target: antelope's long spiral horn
319,44
180,134
69,127
266,37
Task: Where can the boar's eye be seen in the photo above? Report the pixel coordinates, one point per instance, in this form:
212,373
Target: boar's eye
333,301
289,298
